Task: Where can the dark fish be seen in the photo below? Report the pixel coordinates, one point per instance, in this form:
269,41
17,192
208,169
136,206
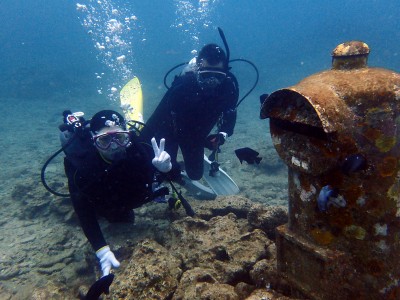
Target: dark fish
329,197
354,163
248,155
99,287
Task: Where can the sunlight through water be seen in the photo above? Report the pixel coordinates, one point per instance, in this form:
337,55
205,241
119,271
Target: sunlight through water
110,27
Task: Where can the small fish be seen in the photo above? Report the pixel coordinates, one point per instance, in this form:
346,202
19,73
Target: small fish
99,287
354,163
248,155
328,197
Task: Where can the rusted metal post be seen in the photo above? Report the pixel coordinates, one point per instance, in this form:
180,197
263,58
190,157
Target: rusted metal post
339,133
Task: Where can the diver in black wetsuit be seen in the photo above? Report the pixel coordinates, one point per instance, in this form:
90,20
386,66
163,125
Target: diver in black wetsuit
112,174
205,94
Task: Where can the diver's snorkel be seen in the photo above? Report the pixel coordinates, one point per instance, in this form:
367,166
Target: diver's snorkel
222,35
223,38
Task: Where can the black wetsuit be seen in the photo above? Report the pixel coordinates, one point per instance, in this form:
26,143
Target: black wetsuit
108,190
187,114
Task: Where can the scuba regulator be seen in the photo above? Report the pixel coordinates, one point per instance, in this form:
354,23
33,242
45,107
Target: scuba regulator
73,122
72,129
73,125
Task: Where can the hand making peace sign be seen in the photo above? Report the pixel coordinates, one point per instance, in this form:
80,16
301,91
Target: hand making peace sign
161,160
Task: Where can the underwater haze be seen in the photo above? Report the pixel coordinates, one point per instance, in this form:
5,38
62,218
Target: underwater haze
46,49
64,54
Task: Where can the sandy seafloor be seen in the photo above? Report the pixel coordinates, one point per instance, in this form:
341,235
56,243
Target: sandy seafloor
49,64
33,231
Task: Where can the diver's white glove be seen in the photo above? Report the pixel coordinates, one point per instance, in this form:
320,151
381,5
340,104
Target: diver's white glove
107,259
161,160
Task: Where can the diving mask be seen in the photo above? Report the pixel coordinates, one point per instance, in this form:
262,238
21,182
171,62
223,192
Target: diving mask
210,78
105,140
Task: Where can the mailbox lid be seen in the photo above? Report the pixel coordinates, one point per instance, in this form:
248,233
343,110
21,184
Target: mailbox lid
314,102
335,100
332,114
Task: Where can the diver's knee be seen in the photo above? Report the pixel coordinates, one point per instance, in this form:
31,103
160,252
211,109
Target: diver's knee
175,173
194,174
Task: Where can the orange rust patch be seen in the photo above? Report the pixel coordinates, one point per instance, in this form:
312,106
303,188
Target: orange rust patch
322,237
388,167
372,134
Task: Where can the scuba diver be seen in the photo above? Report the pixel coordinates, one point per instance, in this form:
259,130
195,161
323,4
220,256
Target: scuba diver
205,94
110,173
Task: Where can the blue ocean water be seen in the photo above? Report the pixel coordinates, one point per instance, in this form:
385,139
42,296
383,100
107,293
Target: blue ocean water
63,54
45,40
71,54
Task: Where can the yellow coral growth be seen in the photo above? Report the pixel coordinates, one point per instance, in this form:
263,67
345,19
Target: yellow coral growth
355,232
385,143
322,237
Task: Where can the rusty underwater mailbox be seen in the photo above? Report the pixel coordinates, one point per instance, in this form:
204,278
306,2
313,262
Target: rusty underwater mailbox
339,133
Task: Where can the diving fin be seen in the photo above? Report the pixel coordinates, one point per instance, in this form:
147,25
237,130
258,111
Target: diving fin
219,181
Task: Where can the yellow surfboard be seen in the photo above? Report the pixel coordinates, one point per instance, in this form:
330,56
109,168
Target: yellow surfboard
131,98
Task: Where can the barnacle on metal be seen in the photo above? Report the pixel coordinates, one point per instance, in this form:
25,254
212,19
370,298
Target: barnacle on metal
350,55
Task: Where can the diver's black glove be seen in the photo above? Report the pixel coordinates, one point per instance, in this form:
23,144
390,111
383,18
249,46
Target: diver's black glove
214,140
